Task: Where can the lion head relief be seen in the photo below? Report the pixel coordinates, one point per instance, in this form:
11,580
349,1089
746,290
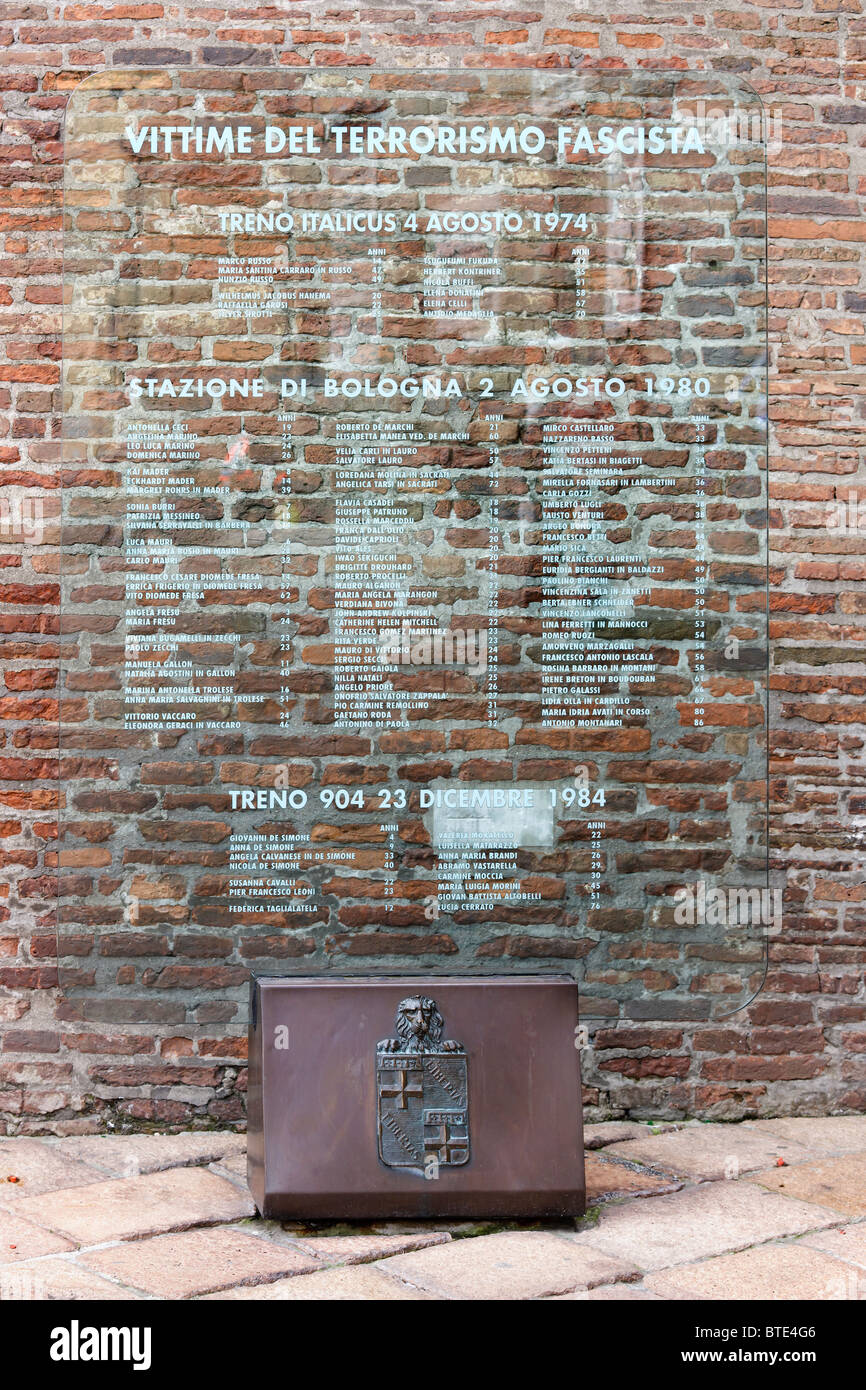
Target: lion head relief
419,1027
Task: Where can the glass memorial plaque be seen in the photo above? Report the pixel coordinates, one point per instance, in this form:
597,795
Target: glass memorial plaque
414,556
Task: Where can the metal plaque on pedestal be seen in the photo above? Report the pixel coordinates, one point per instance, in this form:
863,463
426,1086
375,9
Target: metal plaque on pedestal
469,1108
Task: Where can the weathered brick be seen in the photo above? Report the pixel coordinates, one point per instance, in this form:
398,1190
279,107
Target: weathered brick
791,1049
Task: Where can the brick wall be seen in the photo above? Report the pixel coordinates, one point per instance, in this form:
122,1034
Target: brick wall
799,1046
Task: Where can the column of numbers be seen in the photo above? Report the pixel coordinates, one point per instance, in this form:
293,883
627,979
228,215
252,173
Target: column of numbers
596,863
580,257
377,255
494,551
701,571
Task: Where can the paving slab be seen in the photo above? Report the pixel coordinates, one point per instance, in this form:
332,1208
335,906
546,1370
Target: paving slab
833,1134
123,1208
770,1271
178,1222
707,1152
58,1279
699,1221
613,1132
233,1167
194,1262
847,1243
23,1240
38,1167
345,1282
358,1249
628,1293
128,1155
606,1179
511,1264
839,1183
604,1293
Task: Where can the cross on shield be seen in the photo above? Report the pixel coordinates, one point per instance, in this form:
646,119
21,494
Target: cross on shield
401,1090
448,1142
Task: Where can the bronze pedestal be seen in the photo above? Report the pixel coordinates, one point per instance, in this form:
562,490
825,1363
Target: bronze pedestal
415,1096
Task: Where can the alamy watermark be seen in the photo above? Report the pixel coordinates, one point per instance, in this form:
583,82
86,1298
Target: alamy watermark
22,519
727,125
407,646
699,904
22,1285
83,1343
847,515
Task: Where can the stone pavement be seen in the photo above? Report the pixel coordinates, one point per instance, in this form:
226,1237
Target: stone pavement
764,1209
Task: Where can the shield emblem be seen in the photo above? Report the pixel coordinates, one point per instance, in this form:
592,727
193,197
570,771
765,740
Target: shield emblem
422,1094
